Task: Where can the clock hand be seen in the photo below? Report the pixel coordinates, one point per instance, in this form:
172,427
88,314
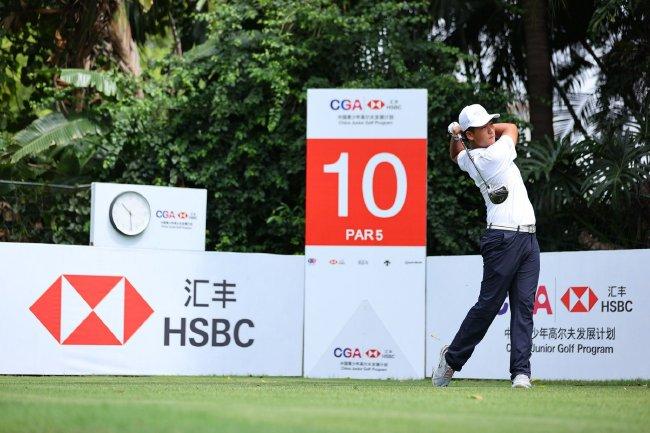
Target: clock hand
127,209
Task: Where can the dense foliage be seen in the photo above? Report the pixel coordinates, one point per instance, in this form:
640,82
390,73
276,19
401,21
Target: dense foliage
229,115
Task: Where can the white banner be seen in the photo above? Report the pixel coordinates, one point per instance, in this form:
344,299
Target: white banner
145,216
591,316
367,113
364,313
365,233
88,310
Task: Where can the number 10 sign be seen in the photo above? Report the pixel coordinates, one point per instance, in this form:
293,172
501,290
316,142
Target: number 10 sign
366,192
366,170
365,242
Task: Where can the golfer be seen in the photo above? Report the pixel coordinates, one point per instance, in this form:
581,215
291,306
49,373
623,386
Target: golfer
508,246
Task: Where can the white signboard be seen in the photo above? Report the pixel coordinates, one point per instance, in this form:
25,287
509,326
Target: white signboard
143,216
365,233
367,113
591,316
89,310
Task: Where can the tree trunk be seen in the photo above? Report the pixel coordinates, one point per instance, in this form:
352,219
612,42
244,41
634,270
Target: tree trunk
122,41
538,65
178,48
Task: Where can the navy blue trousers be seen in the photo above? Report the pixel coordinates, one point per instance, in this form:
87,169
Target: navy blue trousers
510,268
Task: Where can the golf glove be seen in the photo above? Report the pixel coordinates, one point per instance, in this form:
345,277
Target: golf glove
451,128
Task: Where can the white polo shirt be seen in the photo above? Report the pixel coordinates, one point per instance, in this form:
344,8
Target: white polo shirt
496,163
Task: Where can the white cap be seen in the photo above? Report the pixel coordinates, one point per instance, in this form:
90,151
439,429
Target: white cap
474,115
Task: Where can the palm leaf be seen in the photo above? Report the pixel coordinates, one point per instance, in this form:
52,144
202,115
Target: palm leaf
82,78
550,170
619,168
51,130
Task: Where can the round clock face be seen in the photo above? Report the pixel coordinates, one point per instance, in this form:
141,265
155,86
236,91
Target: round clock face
130,213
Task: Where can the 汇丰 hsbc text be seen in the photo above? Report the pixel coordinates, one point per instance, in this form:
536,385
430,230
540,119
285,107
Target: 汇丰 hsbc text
207,296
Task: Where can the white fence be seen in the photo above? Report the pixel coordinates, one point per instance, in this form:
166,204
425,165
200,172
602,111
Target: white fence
591,316
89,310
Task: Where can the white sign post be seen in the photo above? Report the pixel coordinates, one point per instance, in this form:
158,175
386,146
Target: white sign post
365,233
144,216
591,316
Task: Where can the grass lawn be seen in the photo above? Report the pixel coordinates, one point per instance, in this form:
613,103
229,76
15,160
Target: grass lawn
261,405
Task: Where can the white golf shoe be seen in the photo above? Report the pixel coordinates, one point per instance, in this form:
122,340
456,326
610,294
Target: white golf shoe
521,381
442,375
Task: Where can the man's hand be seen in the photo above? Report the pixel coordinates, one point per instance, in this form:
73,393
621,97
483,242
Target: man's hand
455,144
454,128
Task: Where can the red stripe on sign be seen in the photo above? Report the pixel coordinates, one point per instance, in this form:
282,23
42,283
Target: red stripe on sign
366,192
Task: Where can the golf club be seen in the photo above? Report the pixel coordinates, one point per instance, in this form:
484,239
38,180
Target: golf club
497,195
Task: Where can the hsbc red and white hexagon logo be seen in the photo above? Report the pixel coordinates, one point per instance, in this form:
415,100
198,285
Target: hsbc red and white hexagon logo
376,104
579,299
373,353
91,310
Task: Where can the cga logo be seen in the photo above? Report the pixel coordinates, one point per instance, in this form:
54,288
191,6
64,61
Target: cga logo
579,299
91,310
349,352
311,261
346,105
376,104
170,215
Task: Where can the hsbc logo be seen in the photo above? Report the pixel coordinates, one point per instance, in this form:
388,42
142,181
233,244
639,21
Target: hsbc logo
373,353
580,299
91,310
376,104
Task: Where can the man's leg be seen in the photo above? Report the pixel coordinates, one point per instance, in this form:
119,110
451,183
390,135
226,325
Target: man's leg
500,262
522,300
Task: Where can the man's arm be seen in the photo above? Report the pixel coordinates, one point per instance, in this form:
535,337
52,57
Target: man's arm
455,147
509,129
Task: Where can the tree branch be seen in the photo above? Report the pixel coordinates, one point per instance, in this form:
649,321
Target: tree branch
586,46
177,42
574,115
